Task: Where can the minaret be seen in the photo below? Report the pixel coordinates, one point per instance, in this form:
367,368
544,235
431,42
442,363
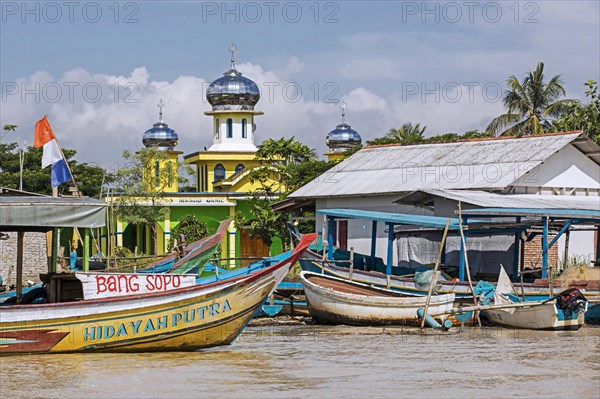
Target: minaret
342,138
162,173
233,98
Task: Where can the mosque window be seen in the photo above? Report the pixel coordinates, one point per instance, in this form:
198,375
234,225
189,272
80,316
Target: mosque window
219,172
244,134
229,128
169,173
156,173
239,168
217,129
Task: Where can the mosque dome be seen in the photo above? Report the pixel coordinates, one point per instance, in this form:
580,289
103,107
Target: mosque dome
232,91
343,136
160,135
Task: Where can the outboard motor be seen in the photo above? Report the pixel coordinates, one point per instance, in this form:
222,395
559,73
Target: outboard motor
571,300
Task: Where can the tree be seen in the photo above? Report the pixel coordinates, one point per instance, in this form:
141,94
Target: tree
191,227
407,133
89,178
294,164
531,103
584,117
140,197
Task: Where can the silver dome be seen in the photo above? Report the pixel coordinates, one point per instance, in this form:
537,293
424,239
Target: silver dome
161,136
233,92
343,137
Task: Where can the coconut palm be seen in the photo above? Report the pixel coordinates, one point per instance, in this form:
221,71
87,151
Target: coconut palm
407,133
531,102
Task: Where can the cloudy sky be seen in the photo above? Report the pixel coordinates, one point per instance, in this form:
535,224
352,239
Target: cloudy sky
97,69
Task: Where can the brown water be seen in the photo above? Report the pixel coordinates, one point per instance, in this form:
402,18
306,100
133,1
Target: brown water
318,361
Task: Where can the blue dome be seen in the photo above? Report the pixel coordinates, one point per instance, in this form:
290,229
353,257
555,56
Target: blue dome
161,136
233,92
343,137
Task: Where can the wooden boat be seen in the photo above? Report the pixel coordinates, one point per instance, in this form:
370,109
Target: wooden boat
195,254
565,312
332,300
181,319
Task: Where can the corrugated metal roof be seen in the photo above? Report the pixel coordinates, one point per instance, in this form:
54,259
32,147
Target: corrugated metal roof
536,212
482,164
491,200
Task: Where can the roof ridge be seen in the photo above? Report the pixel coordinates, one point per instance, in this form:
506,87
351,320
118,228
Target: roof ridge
467,140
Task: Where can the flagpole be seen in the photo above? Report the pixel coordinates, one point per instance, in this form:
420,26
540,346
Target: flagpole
66,163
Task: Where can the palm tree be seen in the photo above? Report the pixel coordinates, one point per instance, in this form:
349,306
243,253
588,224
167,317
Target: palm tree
407,133
530,104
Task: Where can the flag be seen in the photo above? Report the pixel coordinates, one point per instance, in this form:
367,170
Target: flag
52,155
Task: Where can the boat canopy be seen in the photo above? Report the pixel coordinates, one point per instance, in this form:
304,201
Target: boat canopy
392,218
42,213
580,214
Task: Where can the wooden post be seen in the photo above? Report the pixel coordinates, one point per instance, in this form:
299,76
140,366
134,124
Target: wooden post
54,249
467,268
433,277
19,294
86,250
515,275
545,248
323,258
566,253
351,263
373,244
390,254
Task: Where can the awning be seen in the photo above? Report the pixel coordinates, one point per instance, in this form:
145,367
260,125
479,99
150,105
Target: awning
392,218
42,213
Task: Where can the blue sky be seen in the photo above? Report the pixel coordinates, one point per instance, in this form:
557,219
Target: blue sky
99,68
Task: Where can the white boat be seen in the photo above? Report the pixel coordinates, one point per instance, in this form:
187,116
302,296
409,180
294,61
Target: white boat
566,312
333,300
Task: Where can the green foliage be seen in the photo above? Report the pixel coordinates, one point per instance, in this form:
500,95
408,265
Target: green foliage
449,137
265,223
191,227
408,133
141,197
294,164
37,180
531,103
584,117
123,252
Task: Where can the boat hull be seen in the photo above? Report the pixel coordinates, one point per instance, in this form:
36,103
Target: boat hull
339,306
546,316
312,262
179,320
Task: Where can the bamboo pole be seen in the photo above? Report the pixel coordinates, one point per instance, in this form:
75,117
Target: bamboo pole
351,263
467,268
435,269
19,293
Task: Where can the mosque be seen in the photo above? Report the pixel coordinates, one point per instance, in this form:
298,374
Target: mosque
222,172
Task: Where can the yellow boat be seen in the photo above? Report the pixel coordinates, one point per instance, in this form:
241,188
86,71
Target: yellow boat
177,320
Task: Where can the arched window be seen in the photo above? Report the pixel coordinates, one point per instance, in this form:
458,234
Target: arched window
244,134
170,173
219,172
229,128
239,168
156,173
217,129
